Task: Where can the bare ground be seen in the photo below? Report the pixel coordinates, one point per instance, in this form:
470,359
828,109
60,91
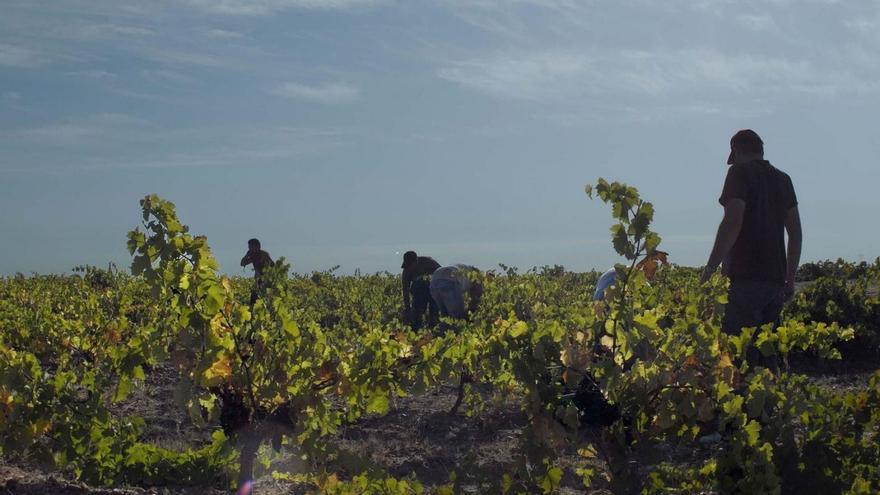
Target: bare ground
418,437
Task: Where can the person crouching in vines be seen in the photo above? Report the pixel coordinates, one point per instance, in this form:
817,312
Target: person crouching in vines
260,260
648,265
416,281
449,284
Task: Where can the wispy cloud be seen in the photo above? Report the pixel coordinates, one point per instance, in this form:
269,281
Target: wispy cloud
177,57
534,76
101,31
101,75
223,34
167,76
329,93
19,56
561,75
120,141
763,22
10,97
265,7
81,132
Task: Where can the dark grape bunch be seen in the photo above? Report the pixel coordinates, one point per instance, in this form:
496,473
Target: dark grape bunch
593,408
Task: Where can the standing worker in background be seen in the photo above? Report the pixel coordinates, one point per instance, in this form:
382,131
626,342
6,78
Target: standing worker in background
260,259
416,280
760,206
448,287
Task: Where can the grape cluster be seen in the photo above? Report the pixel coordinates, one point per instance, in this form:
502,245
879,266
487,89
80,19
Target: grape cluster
593,408
234,415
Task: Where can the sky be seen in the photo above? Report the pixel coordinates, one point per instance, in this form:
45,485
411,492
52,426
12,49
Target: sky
345,132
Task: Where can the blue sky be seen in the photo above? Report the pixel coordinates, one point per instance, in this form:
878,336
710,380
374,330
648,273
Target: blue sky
344,132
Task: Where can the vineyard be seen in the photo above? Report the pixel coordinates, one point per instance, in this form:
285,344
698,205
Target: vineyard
166,380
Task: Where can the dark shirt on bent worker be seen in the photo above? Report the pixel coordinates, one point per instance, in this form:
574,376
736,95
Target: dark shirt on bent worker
423,266
260,260
759,254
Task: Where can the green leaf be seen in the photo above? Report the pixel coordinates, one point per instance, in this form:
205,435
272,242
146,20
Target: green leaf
518,328
214,299
379,403
753,432
621,241
552,480
123,388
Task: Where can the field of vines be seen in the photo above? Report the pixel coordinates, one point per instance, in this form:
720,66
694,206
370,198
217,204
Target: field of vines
166,379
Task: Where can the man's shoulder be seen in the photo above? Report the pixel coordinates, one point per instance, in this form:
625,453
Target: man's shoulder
782,174
739,171
778,174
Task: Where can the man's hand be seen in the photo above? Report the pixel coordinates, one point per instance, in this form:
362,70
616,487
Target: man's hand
405,315
788,290
707,274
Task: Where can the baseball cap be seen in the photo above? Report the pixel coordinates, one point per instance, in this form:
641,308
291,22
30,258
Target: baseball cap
744,139
409,257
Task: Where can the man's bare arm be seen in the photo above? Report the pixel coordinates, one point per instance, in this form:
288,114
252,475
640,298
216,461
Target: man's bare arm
404,279
246,259
728,231
795,241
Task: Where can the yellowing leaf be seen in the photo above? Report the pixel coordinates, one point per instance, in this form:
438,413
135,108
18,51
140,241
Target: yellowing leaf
38,427
651,262
518,329
218,326
219,372
6,399
327,371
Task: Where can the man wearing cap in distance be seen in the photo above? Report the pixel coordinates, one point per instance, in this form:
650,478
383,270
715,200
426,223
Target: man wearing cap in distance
760,206
260,259
416,280
448,287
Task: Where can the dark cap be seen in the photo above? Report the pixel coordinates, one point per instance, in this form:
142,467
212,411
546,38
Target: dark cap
746,140
409,258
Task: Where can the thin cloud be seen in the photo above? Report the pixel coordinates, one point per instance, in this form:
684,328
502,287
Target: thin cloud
562,75
101,75
266,7
11,97
174,57
223,34
328,93
167,76
120,141
19,56
762,22
78,132
101,31
531,77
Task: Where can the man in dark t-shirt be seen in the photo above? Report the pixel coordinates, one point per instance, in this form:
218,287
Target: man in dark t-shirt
260,260
416,281
760,207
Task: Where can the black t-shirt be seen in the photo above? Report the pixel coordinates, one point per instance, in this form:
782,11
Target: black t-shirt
424,266
759,251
